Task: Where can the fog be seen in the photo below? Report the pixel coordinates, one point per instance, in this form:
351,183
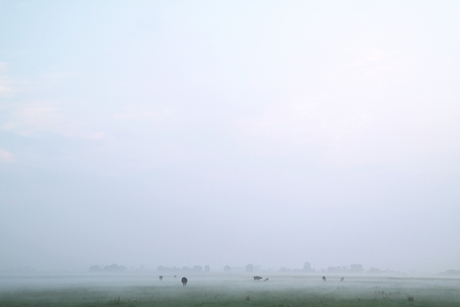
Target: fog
272,133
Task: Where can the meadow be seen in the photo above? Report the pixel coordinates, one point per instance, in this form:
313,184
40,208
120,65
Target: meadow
226,290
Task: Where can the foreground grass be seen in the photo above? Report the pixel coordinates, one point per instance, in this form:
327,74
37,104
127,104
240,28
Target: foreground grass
277,293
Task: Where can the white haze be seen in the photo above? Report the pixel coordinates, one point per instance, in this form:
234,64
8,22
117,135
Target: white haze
230,132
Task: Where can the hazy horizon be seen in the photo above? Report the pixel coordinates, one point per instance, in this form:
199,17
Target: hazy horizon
220,133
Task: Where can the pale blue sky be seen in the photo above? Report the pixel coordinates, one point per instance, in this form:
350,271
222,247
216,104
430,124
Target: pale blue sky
230,132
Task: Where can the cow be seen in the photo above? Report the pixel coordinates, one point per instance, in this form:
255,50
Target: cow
184,281
161,277
266,279
257,278
324,278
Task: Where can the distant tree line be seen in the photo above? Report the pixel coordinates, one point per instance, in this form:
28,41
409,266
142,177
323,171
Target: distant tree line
451,272
185,269
108,268
250,268
307,268
354,269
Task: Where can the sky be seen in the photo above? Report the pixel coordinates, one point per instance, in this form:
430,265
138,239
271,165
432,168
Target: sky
182,133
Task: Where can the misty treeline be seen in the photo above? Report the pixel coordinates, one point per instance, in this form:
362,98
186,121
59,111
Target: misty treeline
352,269
108,268
161,269
185,269
451,273
251,268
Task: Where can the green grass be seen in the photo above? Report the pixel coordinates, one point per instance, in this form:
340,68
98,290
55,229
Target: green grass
280,291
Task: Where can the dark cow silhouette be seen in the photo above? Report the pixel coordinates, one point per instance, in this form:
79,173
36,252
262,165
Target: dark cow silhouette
184,281
161,277
257,278
324,278
341,279
266,279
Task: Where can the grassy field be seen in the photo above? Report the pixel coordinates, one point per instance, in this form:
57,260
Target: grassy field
227,290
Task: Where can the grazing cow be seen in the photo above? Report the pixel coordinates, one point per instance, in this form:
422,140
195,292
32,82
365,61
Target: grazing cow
324,278
257,278
266,279
341,279
184,281
161,277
